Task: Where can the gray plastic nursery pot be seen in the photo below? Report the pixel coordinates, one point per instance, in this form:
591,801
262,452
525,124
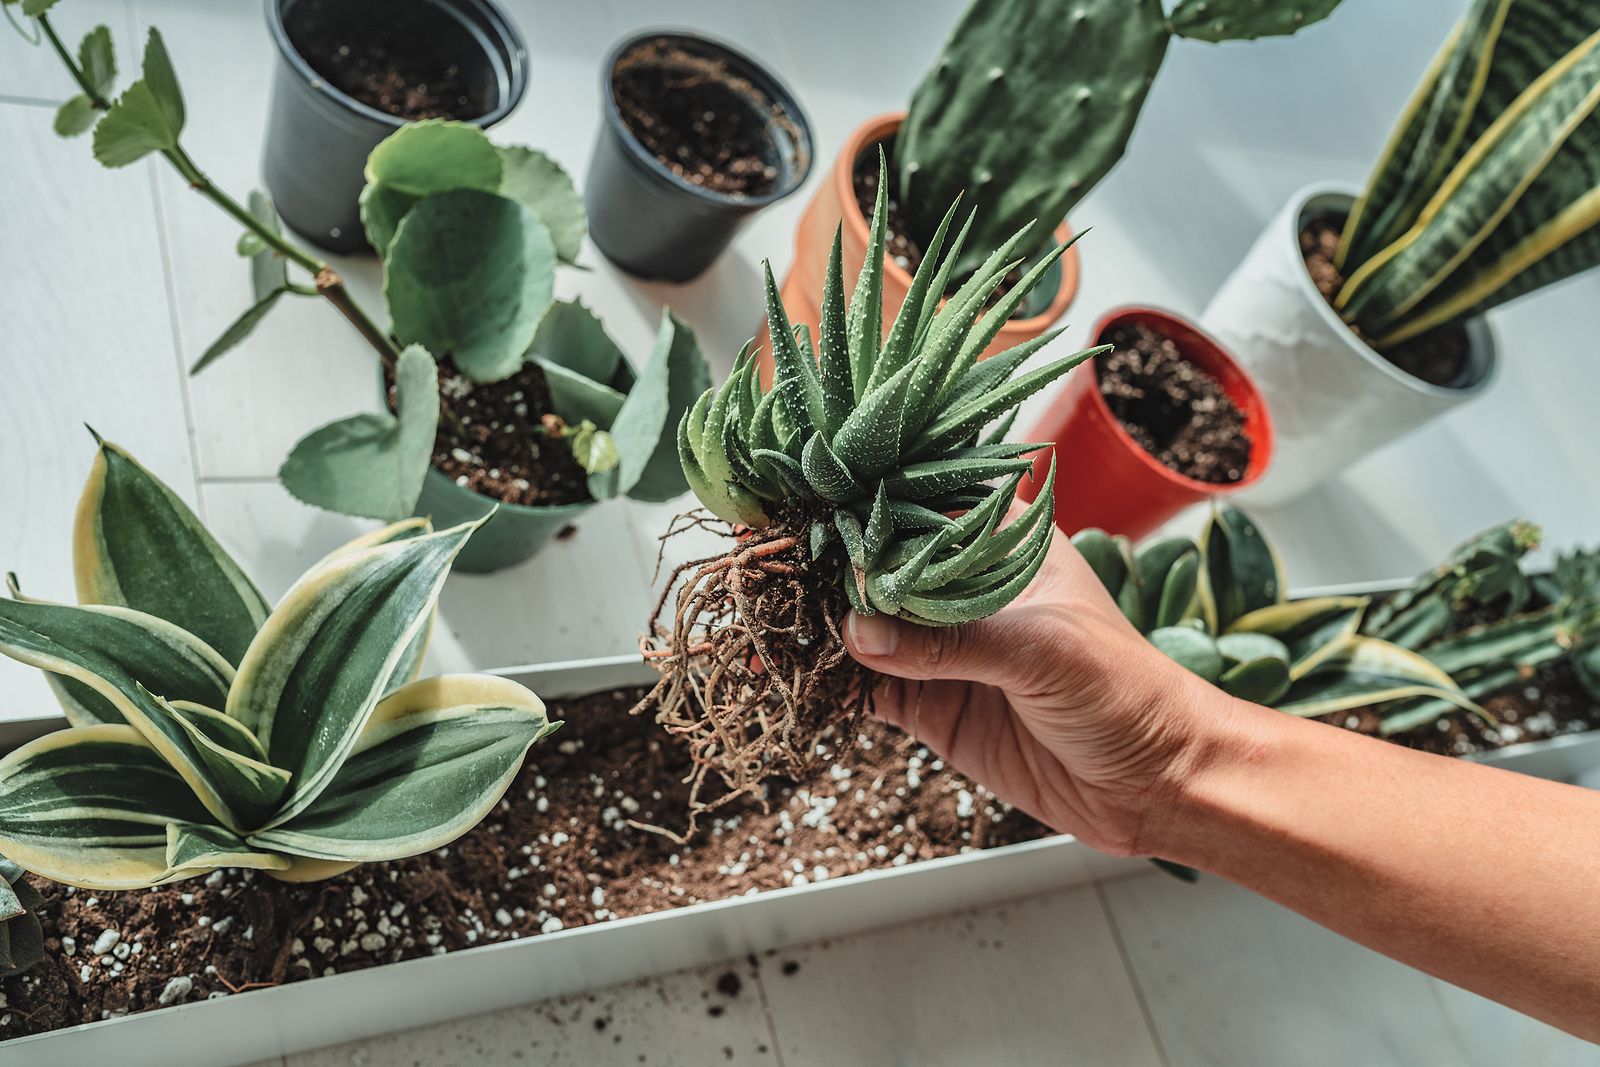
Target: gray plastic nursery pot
318,138
515,533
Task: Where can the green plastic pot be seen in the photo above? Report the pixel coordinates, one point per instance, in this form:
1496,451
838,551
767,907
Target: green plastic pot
515,533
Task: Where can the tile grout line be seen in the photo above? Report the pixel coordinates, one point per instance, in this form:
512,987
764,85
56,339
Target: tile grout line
766,1013
1133,975
170,284
28,101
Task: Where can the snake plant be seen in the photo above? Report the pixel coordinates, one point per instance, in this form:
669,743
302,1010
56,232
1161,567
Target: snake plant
1221,609
209,730
1488,624
1031,102
875,442
21,935
1489,186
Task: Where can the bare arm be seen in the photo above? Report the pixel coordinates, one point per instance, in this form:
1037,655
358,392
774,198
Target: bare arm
1485,878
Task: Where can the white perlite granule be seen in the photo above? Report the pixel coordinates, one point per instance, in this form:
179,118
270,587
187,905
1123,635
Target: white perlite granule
106,942
176,990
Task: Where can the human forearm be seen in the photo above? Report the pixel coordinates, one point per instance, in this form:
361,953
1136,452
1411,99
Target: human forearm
1367,838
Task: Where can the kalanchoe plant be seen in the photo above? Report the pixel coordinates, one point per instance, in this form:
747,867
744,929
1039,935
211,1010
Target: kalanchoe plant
1486,188
470,234
209,730
1221,609
1480,618
21,935
1030,104
863,478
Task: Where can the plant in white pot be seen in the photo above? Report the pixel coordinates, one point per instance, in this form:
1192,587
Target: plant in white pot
1360,313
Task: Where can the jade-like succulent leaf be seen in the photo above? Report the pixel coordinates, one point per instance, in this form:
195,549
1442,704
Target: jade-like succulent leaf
670,381
534,179
76,115
137,545
1242,568
468,276
372,464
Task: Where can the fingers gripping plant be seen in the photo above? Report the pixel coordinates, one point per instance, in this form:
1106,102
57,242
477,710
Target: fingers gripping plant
470,234
861,479
1487,188
209,730
1030,104
1221,609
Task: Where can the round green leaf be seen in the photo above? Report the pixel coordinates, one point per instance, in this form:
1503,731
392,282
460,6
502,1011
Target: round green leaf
434,156
1191,649
469,275
540,182
75,116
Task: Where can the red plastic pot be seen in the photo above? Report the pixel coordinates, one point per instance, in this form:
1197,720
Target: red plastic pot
1104,478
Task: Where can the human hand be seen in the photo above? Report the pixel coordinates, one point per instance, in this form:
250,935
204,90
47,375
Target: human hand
1055,704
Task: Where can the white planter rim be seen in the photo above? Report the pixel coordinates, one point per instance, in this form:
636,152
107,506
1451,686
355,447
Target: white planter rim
1326,197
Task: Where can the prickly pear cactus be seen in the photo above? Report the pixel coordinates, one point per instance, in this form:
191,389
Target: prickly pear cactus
1033,101
1245,20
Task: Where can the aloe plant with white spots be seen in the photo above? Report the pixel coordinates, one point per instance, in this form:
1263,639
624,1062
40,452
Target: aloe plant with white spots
209,729
470,235
873,474
1220,608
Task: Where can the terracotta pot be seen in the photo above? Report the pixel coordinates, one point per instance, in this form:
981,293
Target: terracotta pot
1104,478
835,200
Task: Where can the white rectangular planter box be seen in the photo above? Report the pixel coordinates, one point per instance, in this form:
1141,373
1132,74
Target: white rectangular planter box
323,1011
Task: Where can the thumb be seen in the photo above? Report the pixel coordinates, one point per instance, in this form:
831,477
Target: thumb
974,652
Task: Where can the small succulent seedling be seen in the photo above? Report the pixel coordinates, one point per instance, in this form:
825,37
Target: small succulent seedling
1485,190
21,935
863,478
211,730
1221,609
1031,103
470,234
1480,618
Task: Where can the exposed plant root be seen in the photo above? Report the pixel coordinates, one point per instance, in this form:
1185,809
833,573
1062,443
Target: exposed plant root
755,677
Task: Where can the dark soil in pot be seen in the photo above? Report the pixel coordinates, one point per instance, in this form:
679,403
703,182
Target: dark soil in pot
1438,357
497,443
904,250
558,852
701,120
1176,411
393,77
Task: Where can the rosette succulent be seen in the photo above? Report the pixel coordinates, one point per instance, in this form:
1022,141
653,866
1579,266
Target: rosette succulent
209,729
879,444
21,935
1220,608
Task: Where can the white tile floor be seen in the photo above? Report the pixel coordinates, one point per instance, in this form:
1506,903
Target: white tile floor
113,283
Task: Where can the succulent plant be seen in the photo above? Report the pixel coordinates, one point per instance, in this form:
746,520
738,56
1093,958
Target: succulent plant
470,234
868,477
1485,190
1030,104
874,444
1221,609
208,731
1489,625
21,935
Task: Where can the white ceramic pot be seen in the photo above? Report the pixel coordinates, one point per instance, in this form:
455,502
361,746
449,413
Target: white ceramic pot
1333,399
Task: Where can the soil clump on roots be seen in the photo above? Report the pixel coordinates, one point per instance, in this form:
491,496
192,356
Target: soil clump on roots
755,677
